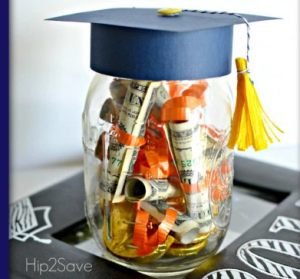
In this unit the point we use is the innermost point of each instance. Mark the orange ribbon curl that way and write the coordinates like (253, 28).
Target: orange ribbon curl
(147, 244)
(125, 138)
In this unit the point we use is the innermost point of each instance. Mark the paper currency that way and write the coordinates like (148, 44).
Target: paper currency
(198, 208)
(140, 189)
(143, 103)
(187, 152)
(185, 229)
(135, 111)
(161, 97)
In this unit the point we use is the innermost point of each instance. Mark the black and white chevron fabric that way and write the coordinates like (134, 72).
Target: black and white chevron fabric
(267, 266)
(229, 274)
(285, 223)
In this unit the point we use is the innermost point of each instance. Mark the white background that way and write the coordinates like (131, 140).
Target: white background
(50, 74)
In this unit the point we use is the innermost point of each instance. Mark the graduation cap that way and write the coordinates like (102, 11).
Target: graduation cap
(143, 44)
(177, 44)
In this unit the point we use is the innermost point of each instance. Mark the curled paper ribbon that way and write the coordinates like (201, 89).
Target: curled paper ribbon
(151, 173)
(125, 138)
(190, 188)
(196, 89)
(155, 164)
(218, 180)
(153, 158)
(182, 102)
(156, 172)
(140, 236)
(159, 251)
(166, 225)
(179, 108)
(176, 114)
(140, 228)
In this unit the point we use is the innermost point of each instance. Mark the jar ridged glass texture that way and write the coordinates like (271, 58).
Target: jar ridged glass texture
(158, 173)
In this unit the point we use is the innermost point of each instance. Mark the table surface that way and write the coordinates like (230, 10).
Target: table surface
(246, 210)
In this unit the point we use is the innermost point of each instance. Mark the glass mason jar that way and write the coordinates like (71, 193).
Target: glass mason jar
(158, 173)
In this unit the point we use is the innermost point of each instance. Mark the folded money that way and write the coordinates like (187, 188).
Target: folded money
(187, 151)
(162, 96)
(141, 189)
(130, 129)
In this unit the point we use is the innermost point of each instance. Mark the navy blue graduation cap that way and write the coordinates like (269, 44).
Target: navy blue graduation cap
(147, 44)
(143, 44)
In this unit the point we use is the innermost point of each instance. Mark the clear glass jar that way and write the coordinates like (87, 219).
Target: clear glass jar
(158, 173)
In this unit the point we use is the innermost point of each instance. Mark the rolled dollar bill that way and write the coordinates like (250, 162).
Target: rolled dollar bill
(198, 208)
(187, 152)
(185, 229)
(135, 111)
(139, 128)
(161, 97)
(141, 189)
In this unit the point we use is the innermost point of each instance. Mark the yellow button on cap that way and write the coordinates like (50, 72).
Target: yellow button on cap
(169, 12)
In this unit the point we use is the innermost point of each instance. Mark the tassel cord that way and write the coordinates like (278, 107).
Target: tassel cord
(251, 125)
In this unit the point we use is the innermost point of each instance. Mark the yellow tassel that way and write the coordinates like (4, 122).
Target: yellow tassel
(251, 125)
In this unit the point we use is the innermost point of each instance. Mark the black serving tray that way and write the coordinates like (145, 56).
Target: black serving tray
(271, 249)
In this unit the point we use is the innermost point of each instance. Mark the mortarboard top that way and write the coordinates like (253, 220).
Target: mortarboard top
(141, 44)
